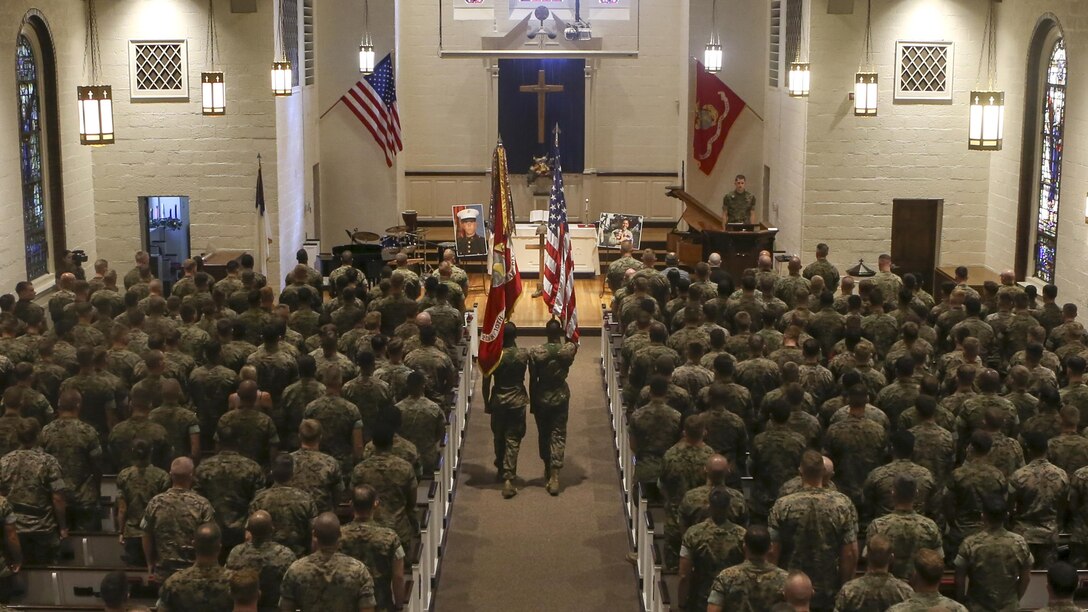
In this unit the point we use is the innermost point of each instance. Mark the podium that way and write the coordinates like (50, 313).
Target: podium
(739, 244)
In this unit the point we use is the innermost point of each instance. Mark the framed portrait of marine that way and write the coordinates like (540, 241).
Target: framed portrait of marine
(468, 230)
(614, 228)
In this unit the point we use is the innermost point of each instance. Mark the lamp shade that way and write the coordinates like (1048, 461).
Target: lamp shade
(281, 78)
(213, 93)
(865, 94)
(366, 56)
(800, 79)
(987, 126)
(95, 105)
(712, 57)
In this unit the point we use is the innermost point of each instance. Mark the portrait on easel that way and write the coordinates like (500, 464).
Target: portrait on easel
(614, 228)
(468, 230)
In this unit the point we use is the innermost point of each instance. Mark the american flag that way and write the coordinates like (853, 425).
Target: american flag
(374, 101)
(559, 262)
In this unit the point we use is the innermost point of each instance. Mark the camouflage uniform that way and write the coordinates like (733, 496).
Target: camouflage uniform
(1038, 493)
(1006, 455)
(305, 321)
(993, 559)
(99, 399)
(205, 588)
(775, 455)
(618, 268)
(293, 403)
(935, 450)
(1068, 451)
(1078, 515)
(727, 435)
(29, 478)
(751, 586)
(122, 363)
(642, 365)
(172, 518)
(818, 382)
(180, 422)
(908, 533)
(1077, 395)
(136, 486)
(549, 365)
(394, 309)
(193, 340)
(229, 481)
(401, 448)
(681, 338)
(255, 432)
(339, 419)
(738, 205)
(507, 405)
(654, 428)
(255, 320)
(438, 368)
(811, 527)
(76, 447)
(396, 376)
(896, 398)
(270, 560)
(692, 378)
(924, 602)
(131, 429)
(318, 474)
(448, 322)
(824, 268)
(695, 507)
(210, 389)
(970, 483)
(759, 375)
(874, 590)
(973, 414)
(292, 511)
(326, 581)
(681, 471)
(395, 481)
(878, 487)
(377, 547)
(423, 424)
(857, 446)
(889, 283)
(711, 547)
(787, 287)
(275, 371)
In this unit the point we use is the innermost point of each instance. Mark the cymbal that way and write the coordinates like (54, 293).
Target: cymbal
(397, 229)
(365, 236)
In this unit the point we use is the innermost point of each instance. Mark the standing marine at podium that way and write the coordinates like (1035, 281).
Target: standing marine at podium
(739, 206)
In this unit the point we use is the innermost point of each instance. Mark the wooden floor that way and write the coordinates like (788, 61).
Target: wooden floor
(531, 314)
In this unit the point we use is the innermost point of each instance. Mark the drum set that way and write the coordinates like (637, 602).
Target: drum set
(408, 238)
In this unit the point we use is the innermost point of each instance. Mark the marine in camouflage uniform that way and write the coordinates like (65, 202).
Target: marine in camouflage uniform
(857, 445)
(270, 560)
(136, 485)
(549, 366)
(506, 399)
(395, 481)
(29, 478)
(76, 447)
(653, 430)
(970, 483)
(436, 365)
(292, 511)
(180, 423)
(1078, 515)
(751, 586)
(908, 533)
(401, 448)
(395, 374)
(229, 481)
(340, 421)
(1038, 495)
(774, 457)
(875, 590)
(738, 206)
(878, 487)
(708, 548)
(210, 387)
(619, 267)
(327, 580)
(812, 526)
(276, 369)
(378, 548)
(682, 469)
(992, 561)
(200, 587)
(171, 519)
(422, 423)
(257, 436)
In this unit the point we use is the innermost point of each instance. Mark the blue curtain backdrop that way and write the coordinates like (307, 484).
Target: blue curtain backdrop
(518, 111)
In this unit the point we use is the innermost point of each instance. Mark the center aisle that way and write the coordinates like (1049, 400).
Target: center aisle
(535, 551)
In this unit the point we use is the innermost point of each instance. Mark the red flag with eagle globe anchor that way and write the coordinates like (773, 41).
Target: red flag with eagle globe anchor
(505, 276)
(716, 110)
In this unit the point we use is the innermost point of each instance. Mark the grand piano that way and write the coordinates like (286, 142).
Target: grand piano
(739, 245)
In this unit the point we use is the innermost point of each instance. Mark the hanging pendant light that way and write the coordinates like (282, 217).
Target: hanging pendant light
(213, 85)
(865, 81)
(366, 46)
(94, 102)
(987, 120)
(800, 79)
(712, 55)
(281, 69)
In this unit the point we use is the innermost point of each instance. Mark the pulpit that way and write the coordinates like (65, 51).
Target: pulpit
(739, 244)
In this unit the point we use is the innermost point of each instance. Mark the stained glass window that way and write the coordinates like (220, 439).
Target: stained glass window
(1050, 167)
(30, 155)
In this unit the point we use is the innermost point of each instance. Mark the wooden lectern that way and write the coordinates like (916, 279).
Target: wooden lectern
(739, 245)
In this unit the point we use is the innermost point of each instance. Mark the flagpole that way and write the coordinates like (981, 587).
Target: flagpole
(338, 101)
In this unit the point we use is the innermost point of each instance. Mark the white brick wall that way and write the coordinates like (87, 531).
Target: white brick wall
(856, 166)
(1016, 25)
(169, 148)
(65, 20)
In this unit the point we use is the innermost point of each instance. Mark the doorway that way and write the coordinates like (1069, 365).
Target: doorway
(164, 221)
(916, 238)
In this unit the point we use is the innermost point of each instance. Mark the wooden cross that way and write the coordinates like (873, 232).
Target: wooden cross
(541, 88)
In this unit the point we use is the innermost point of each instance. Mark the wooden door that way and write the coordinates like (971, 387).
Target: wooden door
(916, 238)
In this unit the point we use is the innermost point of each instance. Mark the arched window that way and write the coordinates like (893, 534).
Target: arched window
(35, 81)
(1050, 163)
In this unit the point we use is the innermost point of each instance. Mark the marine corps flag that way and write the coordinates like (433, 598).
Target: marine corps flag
(505, 277)
(716, 110)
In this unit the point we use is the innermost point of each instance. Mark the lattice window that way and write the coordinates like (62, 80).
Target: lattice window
(1050, 166)
(923, 71)
(308, 40)
(159, 69)
(776, 42)
(794, 23)
(35, 232)
(290, 38)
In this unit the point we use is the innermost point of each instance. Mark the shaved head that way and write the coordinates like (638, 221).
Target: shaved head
(798, 589)
(259, 525)
(327, 529)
